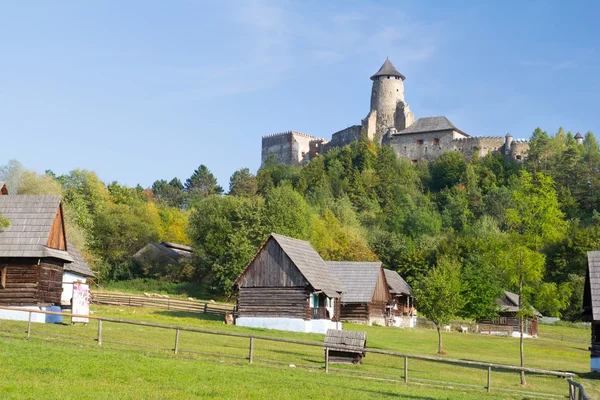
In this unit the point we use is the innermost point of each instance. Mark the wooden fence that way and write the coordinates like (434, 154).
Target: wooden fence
(119, 299)
(575, 390)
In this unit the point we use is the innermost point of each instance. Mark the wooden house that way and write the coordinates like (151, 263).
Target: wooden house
(288, 286)
(401, 309)
(591, 306)
(3, 189)
(33, 252)
(366, 292)
(76, 271)
(507, 322)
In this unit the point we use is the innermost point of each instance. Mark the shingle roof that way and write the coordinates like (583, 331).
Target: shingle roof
(178, 246)
(162, 252)
(31, 219)
(387, 69)
(510, 302)
(359, 279)
(346, 338)
(78, 266)
(430, 124)
(396, 283)
(310, 264)
(594, 282)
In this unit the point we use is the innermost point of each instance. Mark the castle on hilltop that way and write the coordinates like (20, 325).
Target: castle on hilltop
(390, 122)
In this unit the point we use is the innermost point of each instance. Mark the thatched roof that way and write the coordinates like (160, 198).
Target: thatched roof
(396, 284)
(31, 219)
(359, 279)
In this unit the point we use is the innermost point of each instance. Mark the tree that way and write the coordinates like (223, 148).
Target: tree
(438, 295)
(202, 183)
(447, 170)
(524, 269)
(171, 193)
(242, 183)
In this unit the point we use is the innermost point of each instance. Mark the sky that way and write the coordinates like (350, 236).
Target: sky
(144, 90)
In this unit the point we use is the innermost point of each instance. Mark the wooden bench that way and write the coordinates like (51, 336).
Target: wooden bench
(339, 338)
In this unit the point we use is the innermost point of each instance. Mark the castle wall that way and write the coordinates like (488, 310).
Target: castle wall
(519, 150)
(289, 147)
(421, 146)
(344, 137)
(481, 145)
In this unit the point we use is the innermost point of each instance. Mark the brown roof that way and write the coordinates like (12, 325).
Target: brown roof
(31, 218)
(387, 69)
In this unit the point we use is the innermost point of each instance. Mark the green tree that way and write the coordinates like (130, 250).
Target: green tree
(242, 183)
(171, 193)
(287, 213)
(202, 183)
(438, 295)
(447, 170)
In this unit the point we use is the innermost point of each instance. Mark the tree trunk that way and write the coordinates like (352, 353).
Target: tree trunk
(522, 326)
(440, 348)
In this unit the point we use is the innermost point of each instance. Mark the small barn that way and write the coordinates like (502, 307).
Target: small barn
(591, 306)
(507, 322)
(401, 308)
(76, 271)
(366, 292)
(33, 253)
(156, 259)
(288, 286)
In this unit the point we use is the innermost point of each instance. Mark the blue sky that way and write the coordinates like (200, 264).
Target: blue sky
(146, 90)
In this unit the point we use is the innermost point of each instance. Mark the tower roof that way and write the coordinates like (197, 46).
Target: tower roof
(387, 69)
(579, 136)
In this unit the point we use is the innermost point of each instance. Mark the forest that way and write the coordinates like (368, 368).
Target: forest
(477, 218)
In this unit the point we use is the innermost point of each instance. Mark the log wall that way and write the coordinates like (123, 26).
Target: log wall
(27, 284)
(284, 302)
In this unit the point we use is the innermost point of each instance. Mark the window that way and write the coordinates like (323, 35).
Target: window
(435, 141)
(419, 141)
(501, 320)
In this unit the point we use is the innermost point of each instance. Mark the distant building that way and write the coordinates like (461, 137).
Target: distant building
(391, 122)
(163, 253)
(401, 308)
(507, 322)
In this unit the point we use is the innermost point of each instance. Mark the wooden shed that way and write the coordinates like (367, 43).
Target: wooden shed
(33, 252)
(401, 309)
(337, 338)
(591, 306)
(366, 293)
(507, 322)
(288, 286)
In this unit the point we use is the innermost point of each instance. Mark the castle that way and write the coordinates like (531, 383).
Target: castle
(390, 122)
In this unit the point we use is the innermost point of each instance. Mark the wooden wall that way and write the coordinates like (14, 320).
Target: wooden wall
(29, 284)
(382, 291)
(284, 302)
(272, 268)
(354, 312)
(377, 310)
(57, 237)
(531, 326)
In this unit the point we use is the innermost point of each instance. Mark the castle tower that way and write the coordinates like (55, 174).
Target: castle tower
(388, 108)
(508, 139)
(579, 138)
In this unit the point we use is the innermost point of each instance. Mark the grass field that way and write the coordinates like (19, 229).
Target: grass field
(56, 363)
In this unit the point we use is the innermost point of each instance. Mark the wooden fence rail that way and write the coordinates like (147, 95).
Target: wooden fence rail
(576, 391)
(161, 303)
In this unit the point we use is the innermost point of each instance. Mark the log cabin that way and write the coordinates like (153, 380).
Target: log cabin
(76, 271)
(401, 309)
(33, 252)
(288, 286)
(366, 293)
(507, 322)
(591, 306)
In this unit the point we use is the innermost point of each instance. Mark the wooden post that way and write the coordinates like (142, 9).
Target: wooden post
(326, 360)
(489, 385)
(405, 369)
(205, 305)
(176, 340)
(251, 352)
(29, 325)
(99, 332)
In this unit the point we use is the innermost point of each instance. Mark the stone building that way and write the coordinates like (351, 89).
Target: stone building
(391, 122)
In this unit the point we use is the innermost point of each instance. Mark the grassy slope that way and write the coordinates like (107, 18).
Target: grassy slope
(542, 353)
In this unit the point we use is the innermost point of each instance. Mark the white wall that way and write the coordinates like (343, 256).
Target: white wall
(67, 293)
(23, 315)
(289, 324)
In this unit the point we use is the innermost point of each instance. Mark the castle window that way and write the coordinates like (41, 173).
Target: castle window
(419, 141)
(435, 141)
(518, 157)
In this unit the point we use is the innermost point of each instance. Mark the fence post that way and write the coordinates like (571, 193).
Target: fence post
(176, 340)
(405, 369)
(326, 360)
(29, 325)
(99, 332)
(251, 352)
(205, 305)
(169, 304)
(489, 385)
(129, 301)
